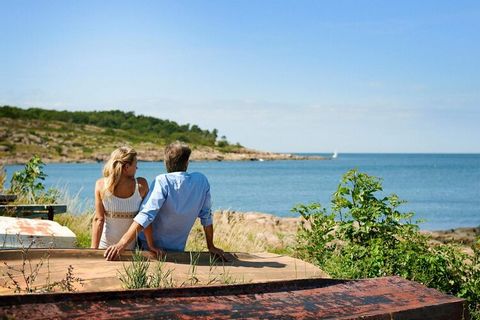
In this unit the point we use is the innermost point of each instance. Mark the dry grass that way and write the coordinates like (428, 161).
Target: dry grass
(247, 232)
(234, 232)
(3, 177)
(80, 224)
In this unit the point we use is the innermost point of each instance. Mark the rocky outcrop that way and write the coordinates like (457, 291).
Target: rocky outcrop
(465, 236)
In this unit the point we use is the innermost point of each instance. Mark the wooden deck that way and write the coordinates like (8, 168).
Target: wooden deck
(100, 275)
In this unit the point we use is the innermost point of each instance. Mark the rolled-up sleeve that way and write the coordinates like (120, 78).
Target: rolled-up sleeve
(152, 203)
(205, 214)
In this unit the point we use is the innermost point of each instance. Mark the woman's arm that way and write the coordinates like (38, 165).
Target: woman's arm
(99, 217)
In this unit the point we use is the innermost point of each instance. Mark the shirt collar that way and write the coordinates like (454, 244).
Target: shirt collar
(178, 173)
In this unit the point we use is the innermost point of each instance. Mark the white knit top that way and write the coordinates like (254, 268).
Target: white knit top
(119, 214)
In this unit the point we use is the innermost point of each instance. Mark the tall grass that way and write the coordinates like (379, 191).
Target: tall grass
(3, 177)
(234, 233)
(74, 203)
(80, 224)
(78, 219)
(135, 274)
(138, 273)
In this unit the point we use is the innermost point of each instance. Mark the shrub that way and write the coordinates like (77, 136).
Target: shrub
(27, 183)
(366, 236)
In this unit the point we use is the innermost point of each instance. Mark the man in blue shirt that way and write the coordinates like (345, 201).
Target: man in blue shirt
(171, 207)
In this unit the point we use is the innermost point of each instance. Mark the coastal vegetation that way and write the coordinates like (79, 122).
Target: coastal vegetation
(136, 126)
(63, 136)
(365, 236)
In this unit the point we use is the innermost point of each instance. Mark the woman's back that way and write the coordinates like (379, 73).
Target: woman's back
(119, 214)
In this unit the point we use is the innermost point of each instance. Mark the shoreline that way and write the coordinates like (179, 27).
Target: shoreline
(202, 154)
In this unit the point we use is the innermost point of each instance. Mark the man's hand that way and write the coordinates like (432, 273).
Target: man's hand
(218, 253)
(156, 253)
(113, 252)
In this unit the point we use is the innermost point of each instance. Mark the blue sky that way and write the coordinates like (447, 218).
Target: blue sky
(299, 76)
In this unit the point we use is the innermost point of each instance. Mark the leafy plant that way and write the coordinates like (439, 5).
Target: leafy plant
(366, 236)
(27, 183)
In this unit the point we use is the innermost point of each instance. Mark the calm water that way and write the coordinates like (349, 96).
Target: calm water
(443, 189)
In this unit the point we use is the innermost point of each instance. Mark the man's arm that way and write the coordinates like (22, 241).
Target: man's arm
(206, 220)
(114, 251)
(157, 252)
(211, 247)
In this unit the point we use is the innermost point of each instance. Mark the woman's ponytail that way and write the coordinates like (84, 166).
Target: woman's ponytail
(112, 171)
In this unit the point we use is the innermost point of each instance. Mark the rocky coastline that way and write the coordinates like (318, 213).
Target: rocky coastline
(156, 154)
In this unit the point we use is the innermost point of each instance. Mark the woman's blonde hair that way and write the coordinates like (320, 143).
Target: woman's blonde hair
(112, 171)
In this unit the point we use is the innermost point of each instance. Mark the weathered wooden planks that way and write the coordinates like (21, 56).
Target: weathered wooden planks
(99, 274)
(381, 298)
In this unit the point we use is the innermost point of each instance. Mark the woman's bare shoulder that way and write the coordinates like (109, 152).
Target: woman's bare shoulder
(143, 185)
(99, 183)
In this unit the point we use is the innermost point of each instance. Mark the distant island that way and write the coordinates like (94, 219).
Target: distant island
(89, 136)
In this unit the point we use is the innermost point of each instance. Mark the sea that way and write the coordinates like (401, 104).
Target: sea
(442, 189)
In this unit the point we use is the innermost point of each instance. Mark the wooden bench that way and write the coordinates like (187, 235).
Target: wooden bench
(32, 210)
(7, 198)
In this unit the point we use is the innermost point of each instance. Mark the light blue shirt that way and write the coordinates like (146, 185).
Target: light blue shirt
(172, 205)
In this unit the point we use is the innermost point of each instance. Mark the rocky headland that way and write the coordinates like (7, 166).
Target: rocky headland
(58, 142)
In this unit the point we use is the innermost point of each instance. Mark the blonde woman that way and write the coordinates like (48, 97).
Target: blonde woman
(118, 196)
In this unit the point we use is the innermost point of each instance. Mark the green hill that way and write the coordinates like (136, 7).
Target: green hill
(86, 136)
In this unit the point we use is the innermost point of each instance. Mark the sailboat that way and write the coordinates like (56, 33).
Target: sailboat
(334, 155)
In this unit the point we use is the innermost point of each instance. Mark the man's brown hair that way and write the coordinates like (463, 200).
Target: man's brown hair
(176, 156)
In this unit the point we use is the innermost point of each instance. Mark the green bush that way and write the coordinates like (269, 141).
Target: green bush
(28, 185)
(366, 236)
